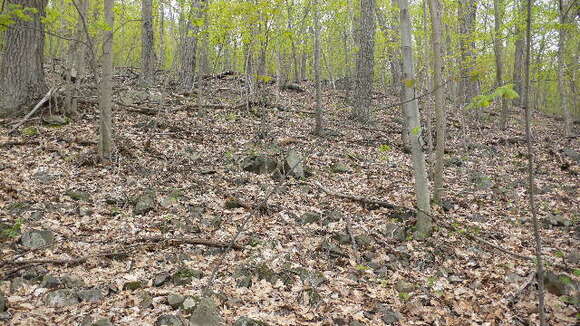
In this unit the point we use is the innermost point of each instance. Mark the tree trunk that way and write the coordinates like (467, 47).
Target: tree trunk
(147, 52)
(469, 84)
(105, 130)
(161, 63)
(414, 127)
(188, 50)
(362, 110)
(562, 68)
(435, 10)
(318, 124)
(498, 10)
(535, 223)
(518, 56)
(21, 68)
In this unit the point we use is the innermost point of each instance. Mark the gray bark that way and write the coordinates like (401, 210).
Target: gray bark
(21, 67)
(147, 52)
(318, 124)
(424, 222)
(105, 130)
(161, 63)
(518, 56)
(562, 67)
(469, 86)
(498, 10)
(362, 110)
(187, 49)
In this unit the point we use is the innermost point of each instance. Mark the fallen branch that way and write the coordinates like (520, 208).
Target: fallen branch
(352, 238)
(18, 143)
(192, 241)
(522, 287)
(38, 105)
(372, 202)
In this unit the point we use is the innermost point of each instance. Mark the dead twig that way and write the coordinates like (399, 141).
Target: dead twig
(38, 105)
(367, 201)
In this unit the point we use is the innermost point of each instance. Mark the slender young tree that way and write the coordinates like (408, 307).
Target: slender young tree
(318, 124)
(519, 52)
(21, 67)
(365, 62)
(435, 10)
(535, 223)
(188, 46)
(424, 223)
(147, 46)
(106, 128)
(161, 63)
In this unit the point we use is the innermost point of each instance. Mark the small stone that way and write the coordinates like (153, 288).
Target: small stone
(103, 322)
(363, 240)
(17, 283)
(185, 276)
(35, 239)
(5, 315)
(232, 203)
(388, 315)
(61, 298)
(293, 164)
(455, 279)
(175, 300)
(132, 286)
(78, 195)
(205, 314)
(395, 231)
(189, 304)
(55, 120)
(558, 220)
(85, 211)
(403, 286)
(144, 203)
(50, 282)
(160, 279)
(91, 295)
(245, 321)
(169, 320)
(332, 249)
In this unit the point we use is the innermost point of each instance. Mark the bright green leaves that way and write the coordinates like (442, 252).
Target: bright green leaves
(416, 131)
(15, 12)
(409, 82)
(483, 101)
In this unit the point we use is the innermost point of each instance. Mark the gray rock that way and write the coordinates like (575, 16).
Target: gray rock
(403, 286)
(388, 315)
(85, 211)
(146, 301)
(160, 279)
(572, 154)
(72, 282)
(91, 295)
(259, 164)
(55, 120)
(5, 316)
(342, 238)
(395, 231)
(332, 249)
(312, 278)
(205, 314)
(293, 164)
(61, 298)
(189, 304)
(558, 220)
(175, 300)
(35, 273)
(132, 286)
(169, 320)
(363, 240)
(144, 203)
(245, 321)
(2, 302)
(103, 322)
(35, 239)
(78, 195)
(50, 282)
(43, 176)
(232, 203)
(339, 167)
(573, 258)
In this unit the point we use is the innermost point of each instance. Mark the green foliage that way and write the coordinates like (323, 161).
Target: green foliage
(384, 148)
(30, 131)
(404, 296)
(482, 101)
(12, 231)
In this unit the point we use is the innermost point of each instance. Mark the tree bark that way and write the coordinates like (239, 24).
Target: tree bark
(21, 69)
(435, 10)
(562, 68)
(518, 55)
(318, 124)
(105, 130)
(161, 63)
(362, 110)
(147, 46)
(469, 83)
(498, 10)
(424, 223)
(188, 48)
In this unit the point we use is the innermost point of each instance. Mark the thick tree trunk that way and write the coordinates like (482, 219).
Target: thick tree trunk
(518, 56)
(435, 10)
(147, 52)
(362, 110)
(562, 68)
(187, 49)
(21, 68)
(498, 10)
(414, 127)
(106, 129)
(469, 85)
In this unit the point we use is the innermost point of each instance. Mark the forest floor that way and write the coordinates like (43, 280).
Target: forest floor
(130, 240)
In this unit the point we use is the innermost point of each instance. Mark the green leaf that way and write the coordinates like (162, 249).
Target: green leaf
(409, 83)
(416, 131)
